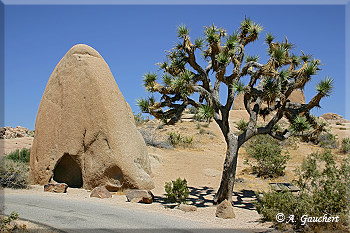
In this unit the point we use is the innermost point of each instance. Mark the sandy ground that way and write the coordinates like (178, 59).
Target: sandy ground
(201, 165)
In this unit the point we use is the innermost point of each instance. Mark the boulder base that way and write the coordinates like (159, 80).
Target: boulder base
(139, 196)
(56, 188)
(85, 135)
(100, 192)
(225, 210)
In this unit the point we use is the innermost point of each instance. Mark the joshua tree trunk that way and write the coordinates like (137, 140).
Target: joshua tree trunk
(229, 170)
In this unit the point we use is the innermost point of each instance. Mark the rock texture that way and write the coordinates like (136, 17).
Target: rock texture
(85, 134)
(297, 96)
(139, 196)
(225, 210)
(100, 192)
(56, 188)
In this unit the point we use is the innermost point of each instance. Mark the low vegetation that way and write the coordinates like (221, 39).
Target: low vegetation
(328, 140)
(177, 191)
(324, 191)
(15, 169)
(242, 125)
(266, 156)
(204, 113)
(151, 139)
(345, 145)
(176, 139)
(7, 224)
(22, 155)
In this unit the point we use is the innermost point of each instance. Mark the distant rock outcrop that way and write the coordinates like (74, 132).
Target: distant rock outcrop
(334, 118)
(297, 96)
(85, 135)
(18, 132)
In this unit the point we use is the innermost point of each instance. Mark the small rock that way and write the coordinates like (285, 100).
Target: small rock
(100, 192)
(187, 208)
(139, 196)
(225, 210)
(56, 188)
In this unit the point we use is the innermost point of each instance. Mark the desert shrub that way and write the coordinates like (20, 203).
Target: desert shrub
(338, 123)
(14, 174)
(324, 191)
(300, 125)
(151, 139)
(204, 113)
(5, 222)
(342, 128)
(267, 159)
(176, 139)
(328, 140)
(345, 145)
(188, 140)
(140, 119)
(242, 125)
(177, 191)
(202, 131)
(22, 155)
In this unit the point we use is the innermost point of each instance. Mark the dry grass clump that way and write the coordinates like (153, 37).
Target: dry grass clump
(14, 170)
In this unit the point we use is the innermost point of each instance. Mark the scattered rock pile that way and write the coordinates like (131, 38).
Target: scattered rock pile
(18, 132)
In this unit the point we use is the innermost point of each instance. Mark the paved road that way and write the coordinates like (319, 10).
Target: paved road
(80, 216)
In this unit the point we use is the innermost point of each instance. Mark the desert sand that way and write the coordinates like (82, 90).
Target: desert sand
(201, 165)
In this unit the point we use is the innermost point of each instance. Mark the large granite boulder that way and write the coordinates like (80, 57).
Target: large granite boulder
(85, 134)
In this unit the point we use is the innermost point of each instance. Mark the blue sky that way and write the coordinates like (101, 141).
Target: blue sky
(133, 38)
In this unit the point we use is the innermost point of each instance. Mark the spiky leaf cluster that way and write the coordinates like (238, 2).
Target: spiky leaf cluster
(325, 87)
(238, 87)
(249, 58)
(269, 38)
(148, 81)
(212, 34)
(271, 90)
(205, 112)
(182, 31)
(300, 124)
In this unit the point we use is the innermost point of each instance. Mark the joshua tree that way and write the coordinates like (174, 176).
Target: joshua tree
(226, 63)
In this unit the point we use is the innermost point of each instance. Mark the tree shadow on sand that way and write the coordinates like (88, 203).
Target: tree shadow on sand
(204, 197)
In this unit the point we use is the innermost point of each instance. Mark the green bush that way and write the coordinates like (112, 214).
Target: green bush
(267, 159)
(345, 145)
(22, 155)
(177, 191)
(242, 125)
(174, 138)
(324, 191)
(204, 113)
(177, 139)
(188, 140)
(14, 174)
